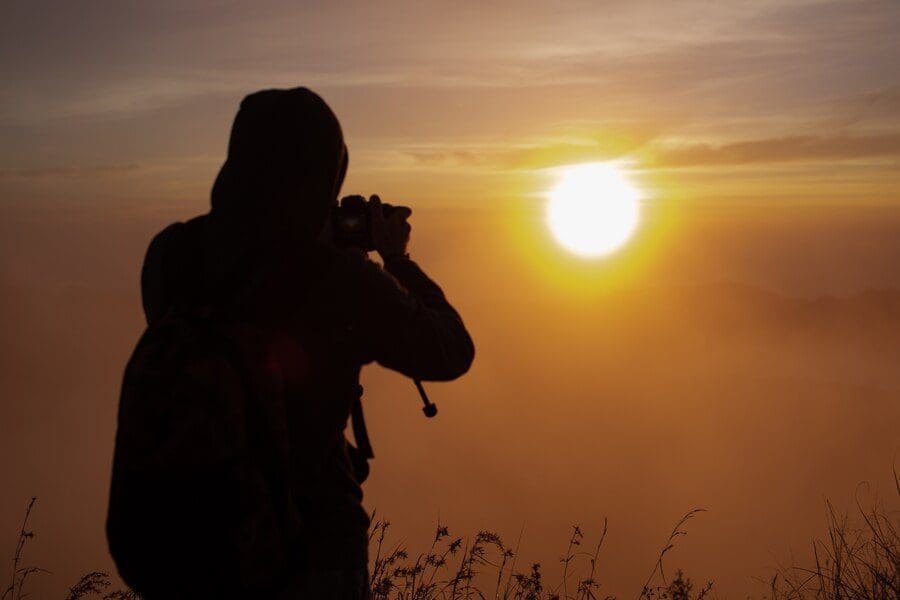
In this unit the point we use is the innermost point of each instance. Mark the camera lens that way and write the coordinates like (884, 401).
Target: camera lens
(352, 223)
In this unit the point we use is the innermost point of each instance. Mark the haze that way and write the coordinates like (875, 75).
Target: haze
(739, 353)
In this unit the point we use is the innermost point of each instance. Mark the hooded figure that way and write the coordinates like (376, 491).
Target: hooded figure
(264, 251)
(286, 163)
(285, 167)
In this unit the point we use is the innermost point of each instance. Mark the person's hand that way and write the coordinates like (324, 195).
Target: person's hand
(390, 235)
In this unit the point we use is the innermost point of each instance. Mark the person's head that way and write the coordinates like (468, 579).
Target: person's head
(286, 163)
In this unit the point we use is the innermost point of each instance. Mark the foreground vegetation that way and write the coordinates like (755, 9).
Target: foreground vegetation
(486, 568)
(858, 558)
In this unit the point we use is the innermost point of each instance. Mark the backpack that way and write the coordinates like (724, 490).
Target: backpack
(200, 501)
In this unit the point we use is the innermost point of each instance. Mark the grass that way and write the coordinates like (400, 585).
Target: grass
(94, 583)
(857, 559)
(485, 568)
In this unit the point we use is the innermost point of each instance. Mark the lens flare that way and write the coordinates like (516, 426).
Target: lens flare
(593, 210)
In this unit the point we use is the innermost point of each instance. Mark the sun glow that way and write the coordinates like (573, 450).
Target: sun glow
(593, 210)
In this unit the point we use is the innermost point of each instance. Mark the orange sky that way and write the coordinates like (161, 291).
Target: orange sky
(738, 354)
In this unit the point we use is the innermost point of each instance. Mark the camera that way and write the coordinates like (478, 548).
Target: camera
(352, 224)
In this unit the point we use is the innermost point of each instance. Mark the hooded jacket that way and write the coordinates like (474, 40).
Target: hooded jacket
(257, 253)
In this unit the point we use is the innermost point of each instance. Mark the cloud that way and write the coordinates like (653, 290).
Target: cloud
(96, 58)
(797, 148)
(485, 86)
(67, 172)
(535, 156)
(781, 149)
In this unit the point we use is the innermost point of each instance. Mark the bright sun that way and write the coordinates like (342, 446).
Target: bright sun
(594, 209)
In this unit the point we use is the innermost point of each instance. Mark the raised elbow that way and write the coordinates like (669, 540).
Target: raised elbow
(467, 356)
(457, 361)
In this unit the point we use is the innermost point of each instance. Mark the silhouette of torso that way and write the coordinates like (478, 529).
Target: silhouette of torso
(330, 311)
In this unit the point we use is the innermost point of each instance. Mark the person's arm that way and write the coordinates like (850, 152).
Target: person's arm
(411, 328)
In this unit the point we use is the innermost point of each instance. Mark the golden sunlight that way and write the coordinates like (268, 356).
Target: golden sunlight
(593, 209)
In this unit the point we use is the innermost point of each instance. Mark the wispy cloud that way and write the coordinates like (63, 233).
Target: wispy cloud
(530, 155)
(67, 172)
(480, 86)
(798, 148)
(784, 149)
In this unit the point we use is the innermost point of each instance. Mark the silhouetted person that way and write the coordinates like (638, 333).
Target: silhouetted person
(266, 255)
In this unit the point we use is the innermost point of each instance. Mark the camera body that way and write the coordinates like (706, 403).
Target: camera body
(352, 224)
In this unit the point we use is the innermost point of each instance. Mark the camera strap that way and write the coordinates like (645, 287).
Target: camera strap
(358, 422)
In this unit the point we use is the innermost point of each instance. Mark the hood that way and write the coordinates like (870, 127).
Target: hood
(285, 166)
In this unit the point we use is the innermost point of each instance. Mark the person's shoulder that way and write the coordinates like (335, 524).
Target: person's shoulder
(161, 246)
(166, 237)
(178, 233)
(169, 246)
